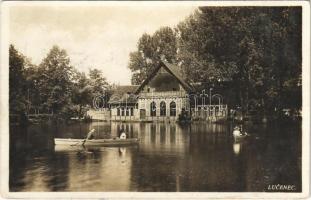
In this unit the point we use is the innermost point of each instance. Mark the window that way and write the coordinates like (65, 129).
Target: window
(118, 111)
(153, 109)
(122, 111)
(172, 108)
(217, 112)
(162, 109)
(127, 112)
(132, 111)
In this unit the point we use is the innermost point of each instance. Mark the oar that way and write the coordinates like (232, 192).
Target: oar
(87, 135)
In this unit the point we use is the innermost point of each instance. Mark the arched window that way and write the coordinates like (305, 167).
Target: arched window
(162, 108)
(153, 109)
(132, 111)
(172, 108)
(127, 111)
(118, 111)
(122, 111)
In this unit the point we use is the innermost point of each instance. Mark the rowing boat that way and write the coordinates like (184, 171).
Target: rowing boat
(96, 142)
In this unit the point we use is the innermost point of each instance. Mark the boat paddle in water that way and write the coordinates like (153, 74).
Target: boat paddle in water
(88, 136)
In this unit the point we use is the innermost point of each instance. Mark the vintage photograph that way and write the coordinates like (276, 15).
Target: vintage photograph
(142, 97)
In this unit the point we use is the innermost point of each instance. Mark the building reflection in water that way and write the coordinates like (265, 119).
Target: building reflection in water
(163, 138)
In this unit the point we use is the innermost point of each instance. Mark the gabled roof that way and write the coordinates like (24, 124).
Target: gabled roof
(123, 94)
(170, 68)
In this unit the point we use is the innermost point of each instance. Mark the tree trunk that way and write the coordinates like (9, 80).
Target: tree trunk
(80, 111)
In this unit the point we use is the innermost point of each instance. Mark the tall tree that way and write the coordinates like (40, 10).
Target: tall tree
(81, 91)
(100, 87)
(258, 49)
(17, 82)
(150, 50)
(54, 80)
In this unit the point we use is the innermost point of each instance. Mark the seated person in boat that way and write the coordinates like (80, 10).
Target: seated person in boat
(236, 131)
(122, 135)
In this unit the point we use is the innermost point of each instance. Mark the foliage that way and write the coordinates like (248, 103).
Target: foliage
(246, 45)
(98, 82)
(17, 86)
(81, 92)
(256, 49)
(54, 80)
(150, 50)
(53, 87)
(101, 90)
(184, 116)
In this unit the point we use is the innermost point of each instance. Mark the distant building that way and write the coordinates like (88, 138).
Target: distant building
(123, 103)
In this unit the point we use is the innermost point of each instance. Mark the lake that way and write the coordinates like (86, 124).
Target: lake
(170, 157)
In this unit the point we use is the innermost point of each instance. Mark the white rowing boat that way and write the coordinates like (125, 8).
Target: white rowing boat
(96, 142)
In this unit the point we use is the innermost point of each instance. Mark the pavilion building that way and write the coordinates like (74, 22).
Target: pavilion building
(163, 96)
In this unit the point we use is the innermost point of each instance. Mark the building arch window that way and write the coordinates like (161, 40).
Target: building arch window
(162, 108)
(122, 111)
(127, 111)
(153, 109)
(132, 111)
(118, 111)
(172, 108)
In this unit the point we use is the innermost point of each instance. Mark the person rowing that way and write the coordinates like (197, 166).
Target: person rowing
(89, 136)
(236, 132)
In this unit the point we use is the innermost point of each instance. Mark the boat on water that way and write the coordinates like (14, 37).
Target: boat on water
(96, 142)
(238, 134)
(89, 149)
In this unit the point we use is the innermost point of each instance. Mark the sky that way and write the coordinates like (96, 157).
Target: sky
(94, 36)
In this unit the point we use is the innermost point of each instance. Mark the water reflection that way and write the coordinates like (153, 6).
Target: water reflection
(237, 148)
(162, 138)
(170, 157)
(108, 170)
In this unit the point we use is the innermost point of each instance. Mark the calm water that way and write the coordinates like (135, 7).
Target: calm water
(170, 157)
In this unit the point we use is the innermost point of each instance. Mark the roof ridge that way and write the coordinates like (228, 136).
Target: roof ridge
(171, 69)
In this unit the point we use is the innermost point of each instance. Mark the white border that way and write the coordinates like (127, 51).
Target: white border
(4, 139)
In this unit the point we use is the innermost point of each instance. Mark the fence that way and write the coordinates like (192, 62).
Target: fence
(209, 112)
(100, 114)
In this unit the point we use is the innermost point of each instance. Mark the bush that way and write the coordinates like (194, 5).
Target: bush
(184, 116)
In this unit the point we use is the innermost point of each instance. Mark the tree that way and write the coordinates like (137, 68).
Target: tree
(201, 41)
(257, 49)
(150, 50)
(17, 82)
(81, 91)
(54, 86)
(54, 80)
(100, 87)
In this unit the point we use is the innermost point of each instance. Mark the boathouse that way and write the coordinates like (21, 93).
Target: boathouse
(163, 96)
